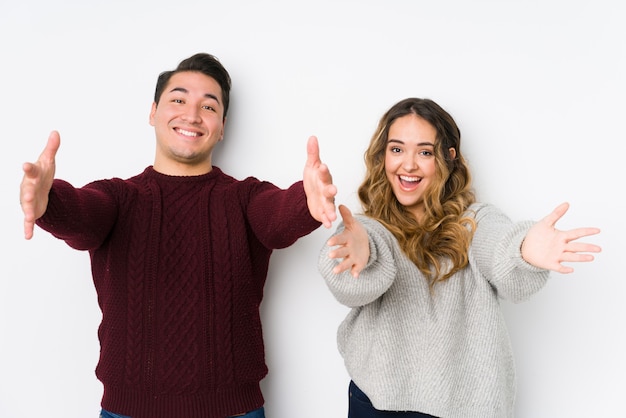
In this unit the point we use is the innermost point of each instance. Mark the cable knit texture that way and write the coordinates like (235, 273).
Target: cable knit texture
(446, 353)
(179, 265)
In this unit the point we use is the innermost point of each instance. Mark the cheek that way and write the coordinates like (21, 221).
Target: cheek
(391, 164)
(390, 176)
(156, 118)
(389, 170)
(430, 168)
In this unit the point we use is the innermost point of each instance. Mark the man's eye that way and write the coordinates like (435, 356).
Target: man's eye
(177, 100)
(207, 107)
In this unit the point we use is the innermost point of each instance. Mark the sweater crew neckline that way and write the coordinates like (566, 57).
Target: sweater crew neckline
(152, 173)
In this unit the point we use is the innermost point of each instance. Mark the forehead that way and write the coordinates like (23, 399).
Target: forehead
(194, 83)
(412, 128)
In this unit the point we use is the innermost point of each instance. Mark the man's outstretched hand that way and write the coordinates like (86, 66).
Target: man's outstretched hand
(318, 186)
(36, 184)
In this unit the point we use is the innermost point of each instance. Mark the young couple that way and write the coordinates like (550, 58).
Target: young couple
(180, 255)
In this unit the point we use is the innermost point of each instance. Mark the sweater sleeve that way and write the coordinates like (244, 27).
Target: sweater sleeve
(279, 217)
(497, 249)
(375, 279)
(82, 217)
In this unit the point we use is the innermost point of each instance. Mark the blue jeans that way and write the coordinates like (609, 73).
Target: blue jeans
(257, 413)
(360, 406)
(107, 414)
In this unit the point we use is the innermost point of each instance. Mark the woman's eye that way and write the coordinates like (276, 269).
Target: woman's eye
(394, 149)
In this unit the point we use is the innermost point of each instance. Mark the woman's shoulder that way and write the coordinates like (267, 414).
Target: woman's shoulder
(371, 224)
(377, 231)
(481, 210)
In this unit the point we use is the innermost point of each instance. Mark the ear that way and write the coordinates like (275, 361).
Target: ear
(152, 112)
(223, 126)
(452, 152)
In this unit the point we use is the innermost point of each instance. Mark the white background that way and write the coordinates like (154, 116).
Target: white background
(537, 88)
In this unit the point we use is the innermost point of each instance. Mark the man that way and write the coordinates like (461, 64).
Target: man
(180, 255)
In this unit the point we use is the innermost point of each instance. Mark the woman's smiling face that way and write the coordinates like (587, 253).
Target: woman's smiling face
(410, 162)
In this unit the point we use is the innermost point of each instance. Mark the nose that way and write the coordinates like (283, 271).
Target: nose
(191, 114)
(409, 163)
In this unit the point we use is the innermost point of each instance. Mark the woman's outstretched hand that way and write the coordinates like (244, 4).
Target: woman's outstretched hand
(352, 245)
(547, 247)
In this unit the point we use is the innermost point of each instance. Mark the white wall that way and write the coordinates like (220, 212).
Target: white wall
(536, 86)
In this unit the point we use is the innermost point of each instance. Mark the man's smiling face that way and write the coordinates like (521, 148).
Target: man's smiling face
(188, 122)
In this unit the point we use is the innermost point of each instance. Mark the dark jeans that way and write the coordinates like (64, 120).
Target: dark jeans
(257, 413)
(360, 406)
(107, 414)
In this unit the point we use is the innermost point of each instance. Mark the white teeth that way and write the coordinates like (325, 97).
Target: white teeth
(188, 133)
(407, 178)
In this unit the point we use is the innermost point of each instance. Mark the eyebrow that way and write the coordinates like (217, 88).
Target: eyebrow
(184, 90)
(420, 144)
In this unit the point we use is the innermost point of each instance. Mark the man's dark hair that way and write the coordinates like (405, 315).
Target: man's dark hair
(204, 63)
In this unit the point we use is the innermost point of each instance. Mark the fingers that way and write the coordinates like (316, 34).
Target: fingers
(563, 269)
(329, 192)
(572, 257)
(37, 182)
(27, 197)
(30, 170)
(313, 152)
(339, 239)
(29, 228)
(340, 252)
(350, 245)
(577, 233)
(328, 215)
(46, 158)
(319, 187)
(346, 265)
(324, 175)
(331, 216)
(349, 223)
(326, 220)
(582, 247)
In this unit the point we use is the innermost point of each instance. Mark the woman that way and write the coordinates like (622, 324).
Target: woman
(423, 270)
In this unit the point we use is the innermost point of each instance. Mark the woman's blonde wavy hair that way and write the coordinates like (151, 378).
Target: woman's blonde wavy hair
(438, 244)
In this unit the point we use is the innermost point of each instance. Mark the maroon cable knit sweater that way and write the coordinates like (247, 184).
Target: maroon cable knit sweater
(179, 265)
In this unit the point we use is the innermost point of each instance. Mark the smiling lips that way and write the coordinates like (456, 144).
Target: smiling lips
(409, 183)
(187, 133)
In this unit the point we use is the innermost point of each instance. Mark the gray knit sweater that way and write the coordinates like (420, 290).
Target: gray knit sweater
(445, 353)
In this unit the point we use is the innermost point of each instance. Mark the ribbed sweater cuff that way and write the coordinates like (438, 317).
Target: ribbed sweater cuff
(218, 404)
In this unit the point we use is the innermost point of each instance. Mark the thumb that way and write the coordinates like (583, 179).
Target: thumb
(54, 142)
(313, 151)
(556, 214)
(346, 215)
